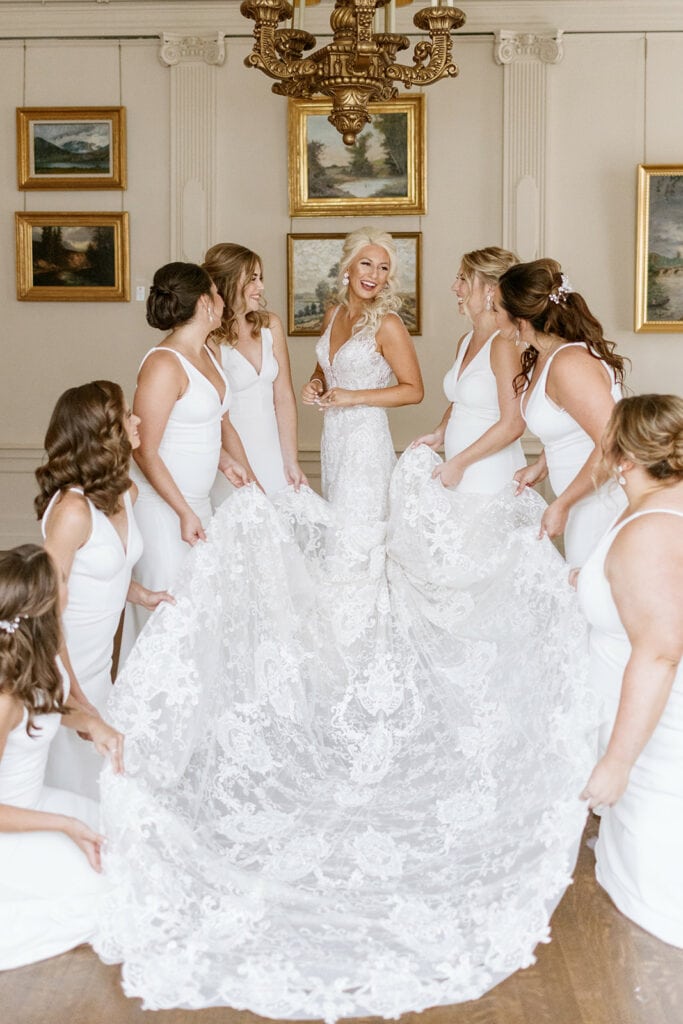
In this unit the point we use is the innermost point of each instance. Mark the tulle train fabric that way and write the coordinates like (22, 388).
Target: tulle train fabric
(348, 792)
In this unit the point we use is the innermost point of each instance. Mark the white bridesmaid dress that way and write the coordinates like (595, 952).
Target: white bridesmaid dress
(639, 854)
(474, 394)
(49, 894)
(252, 414)
(567, 446)
(190, 448)
(98, 585)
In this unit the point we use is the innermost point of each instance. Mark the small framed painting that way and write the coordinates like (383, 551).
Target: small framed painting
(71, 147)
(72, 257)
(312, 268)
(659, 255)
(382, 174)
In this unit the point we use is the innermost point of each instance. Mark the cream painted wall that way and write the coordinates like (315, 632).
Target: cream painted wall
(612, 104)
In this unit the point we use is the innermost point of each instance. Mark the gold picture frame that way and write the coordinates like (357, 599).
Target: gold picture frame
(71, 147)
(659, 250)
(383, 174)
(312, 261)
(72, 257)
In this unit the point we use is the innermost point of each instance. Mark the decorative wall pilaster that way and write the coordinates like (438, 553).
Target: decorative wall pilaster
(193, 62)
(525, 58)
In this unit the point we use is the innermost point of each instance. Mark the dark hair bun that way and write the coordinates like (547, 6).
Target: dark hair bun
(174, 294)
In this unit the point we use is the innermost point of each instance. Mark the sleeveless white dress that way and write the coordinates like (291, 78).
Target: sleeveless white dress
(97, 588)
(252, 414)
(639, 852)
(474, 395)
(49, 894)
(190, 448)
(567, 446)
(362, 797)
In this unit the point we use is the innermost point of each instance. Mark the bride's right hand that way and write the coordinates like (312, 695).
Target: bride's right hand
(432, 441)
(311, 392)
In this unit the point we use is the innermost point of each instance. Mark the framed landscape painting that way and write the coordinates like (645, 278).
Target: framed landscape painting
(659, 257)
(72, 257)
(71, 147)
(382, 174)
(312, 269)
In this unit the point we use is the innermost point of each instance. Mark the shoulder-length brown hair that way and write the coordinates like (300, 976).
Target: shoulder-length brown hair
(230, 266)
(87, 446)
(30, 634)
(536, 292)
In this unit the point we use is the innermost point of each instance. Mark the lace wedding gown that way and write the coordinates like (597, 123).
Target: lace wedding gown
(354, 745)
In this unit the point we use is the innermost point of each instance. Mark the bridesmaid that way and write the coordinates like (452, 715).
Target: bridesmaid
(85, 507)
(570, 379)
(182, 399)
(631, 590)
(50, 845)
(255, 360)
(482, 425)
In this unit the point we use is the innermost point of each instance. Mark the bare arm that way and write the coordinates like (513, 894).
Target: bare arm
(316, 384)
(644, 568)
(505, 363)
(285, 407)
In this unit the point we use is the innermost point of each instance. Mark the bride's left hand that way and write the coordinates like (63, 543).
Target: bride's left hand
(337, 398)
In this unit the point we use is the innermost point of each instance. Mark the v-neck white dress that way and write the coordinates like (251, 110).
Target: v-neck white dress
(97, 586)
(252, 414)
(474, 394)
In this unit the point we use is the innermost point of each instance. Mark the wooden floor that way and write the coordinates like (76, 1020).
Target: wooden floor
(599, 969)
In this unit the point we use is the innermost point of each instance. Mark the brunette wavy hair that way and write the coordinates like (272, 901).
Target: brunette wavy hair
(87, 446)
(647, 430)
(535, 292)
(29, 606)
(387, 300)
(230, 266)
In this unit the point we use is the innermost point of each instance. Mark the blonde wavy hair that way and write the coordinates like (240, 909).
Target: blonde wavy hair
(229, 265)
(29, 603)
(647, 430)
(387, 301)
(489, 264)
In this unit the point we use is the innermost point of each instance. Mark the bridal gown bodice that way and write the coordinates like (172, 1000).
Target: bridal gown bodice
(474, 394)
(639, 854)
(345, 758)
(567, 447)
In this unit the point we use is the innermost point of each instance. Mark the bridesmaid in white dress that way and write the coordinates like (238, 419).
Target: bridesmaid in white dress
(182, 399)
(86, 510)
(631, 590)
(255, 360)
(570, 379)
(50, 846)
(482, 425)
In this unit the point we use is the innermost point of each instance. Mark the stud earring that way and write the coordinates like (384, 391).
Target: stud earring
(345, 278)
(621, 479)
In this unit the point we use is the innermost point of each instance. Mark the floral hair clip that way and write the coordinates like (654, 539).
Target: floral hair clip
(10, 625)
(560, 293)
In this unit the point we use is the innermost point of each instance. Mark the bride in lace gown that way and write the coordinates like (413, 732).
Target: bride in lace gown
(344, 794)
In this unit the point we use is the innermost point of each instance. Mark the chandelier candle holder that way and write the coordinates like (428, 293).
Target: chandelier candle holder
(359, 65)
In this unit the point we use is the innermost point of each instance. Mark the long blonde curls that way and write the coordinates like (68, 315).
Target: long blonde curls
(229, 265)
(87, 446)
(387, 301)
(30, 634)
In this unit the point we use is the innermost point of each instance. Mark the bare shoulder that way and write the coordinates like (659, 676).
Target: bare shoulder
(504, 351)
(392, 329)
(70, 509)
(163, 368)
(329, 313)
(11, 713)
(275, 322)
(658, 533)
(573, 359)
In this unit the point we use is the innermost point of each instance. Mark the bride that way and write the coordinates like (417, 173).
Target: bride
(355, 743)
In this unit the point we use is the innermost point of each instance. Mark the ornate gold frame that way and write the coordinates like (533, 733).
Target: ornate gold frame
(643, 254)
(312, 330)
(28, 179)
(413, 202)
(28, 291)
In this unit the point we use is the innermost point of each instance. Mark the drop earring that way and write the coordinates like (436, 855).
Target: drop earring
(487, 304)
(518, 337)
(345, 278)
(621, 479)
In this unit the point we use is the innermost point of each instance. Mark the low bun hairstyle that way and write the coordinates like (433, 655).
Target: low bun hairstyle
(647, 430)
(536, 292)
(175, 292)
(29, 599)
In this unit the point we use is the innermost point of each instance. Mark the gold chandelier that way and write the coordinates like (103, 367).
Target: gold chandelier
(359, 65)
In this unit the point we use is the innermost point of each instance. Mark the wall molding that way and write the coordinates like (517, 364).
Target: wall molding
(114, 18)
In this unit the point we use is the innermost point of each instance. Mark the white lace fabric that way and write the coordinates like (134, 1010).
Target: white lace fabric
(354, 750)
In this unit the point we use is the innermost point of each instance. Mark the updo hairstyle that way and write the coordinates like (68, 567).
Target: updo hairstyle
(489, 264)
(30, 634)
(539, 293)
(387, 300)
(175, 292)
(87, 446)
(647, 430)
(230, 266)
